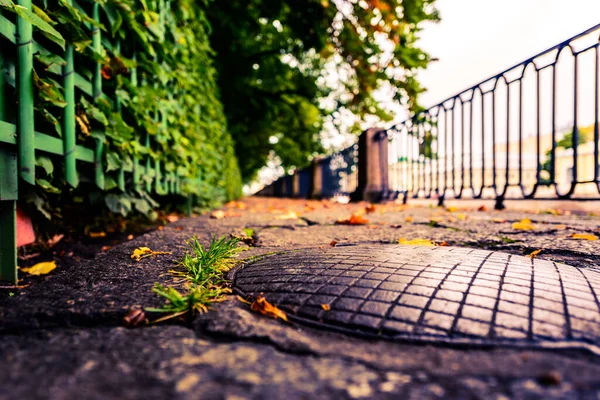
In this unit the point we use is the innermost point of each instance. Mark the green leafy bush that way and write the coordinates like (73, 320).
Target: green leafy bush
(159, 104)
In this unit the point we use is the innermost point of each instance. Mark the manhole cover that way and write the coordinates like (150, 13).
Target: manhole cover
(431, 293)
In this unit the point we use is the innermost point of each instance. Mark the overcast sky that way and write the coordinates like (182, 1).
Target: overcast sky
(479, 38)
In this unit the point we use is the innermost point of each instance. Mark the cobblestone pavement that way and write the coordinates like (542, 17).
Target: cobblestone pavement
(62, 337)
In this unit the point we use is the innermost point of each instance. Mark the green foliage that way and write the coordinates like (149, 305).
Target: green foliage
(273, 57)
(204, 265)
(159, 105)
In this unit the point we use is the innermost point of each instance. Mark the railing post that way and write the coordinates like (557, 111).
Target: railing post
(373, 175)
(296, 184)
(317, 179)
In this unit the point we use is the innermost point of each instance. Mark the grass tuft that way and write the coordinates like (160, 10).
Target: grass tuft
(204, 269)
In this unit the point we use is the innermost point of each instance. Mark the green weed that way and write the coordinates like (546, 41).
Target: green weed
(203, 268)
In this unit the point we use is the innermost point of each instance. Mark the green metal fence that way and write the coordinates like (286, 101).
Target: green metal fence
(20, 142)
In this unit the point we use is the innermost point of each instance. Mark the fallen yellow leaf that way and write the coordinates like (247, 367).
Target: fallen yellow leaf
(524, 225)
(143, 252)
(534, 253)
(584, 236)
(417, 242)
(451, 209)
(219, 214)
(408, 219)
(289, 215)
(42, 268)
(262, 306)
(462, 217)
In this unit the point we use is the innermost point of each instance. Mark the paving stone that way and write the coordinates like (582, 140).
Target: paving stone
(421, 295)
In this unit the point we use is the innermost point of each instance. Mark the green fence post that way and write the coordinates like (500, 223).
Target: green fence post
(136, 161)
(8, 199)
(121, 173)
(97, 92)
(25, 137)
(69, 117)
(148, 166)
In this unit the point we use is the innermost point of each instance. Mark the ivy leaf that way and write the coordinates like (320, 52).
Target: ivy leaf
(46, 164)
(47, 186)
(113, 162)
(42, 25)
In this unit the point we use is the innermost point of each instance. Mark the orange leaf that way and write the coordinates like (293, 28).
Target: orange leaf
(262, 306)
(584, 236)
(534, 253)
(370, 208)
(355, 219)
(333, 243)
(96, 235)
(326, 307)
(482, 208)
(409, 219)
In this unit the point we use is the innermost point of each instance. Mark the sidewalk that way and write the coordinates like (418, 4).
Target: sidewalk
(63, 337)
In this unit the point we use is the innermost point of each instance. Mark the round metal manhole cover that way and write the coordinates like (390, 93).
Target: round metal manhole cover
(432, 294)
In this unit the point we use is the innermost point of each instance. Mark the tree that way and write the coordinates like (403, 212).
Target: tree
(274, 56)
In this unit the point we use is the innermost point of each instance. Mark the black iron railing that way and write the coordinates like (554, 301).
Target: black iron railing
(528, 132)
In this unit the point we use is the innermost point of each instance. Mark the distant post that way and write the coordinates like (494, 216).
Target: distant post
(373, 177)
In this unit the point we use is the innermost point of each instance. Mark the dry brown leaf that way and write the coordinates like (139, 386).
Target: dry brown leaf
(523, 225)
(370, 208)
(42, 268)
(55, 239)
(172, 218)
(326, 307)
(355, 219)
(417, 242)
(333, 243)
(134, 318)
(584, 236)
(482, 208)
(219, 214)
(534, 253)
(262, 306)
(451, 219)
